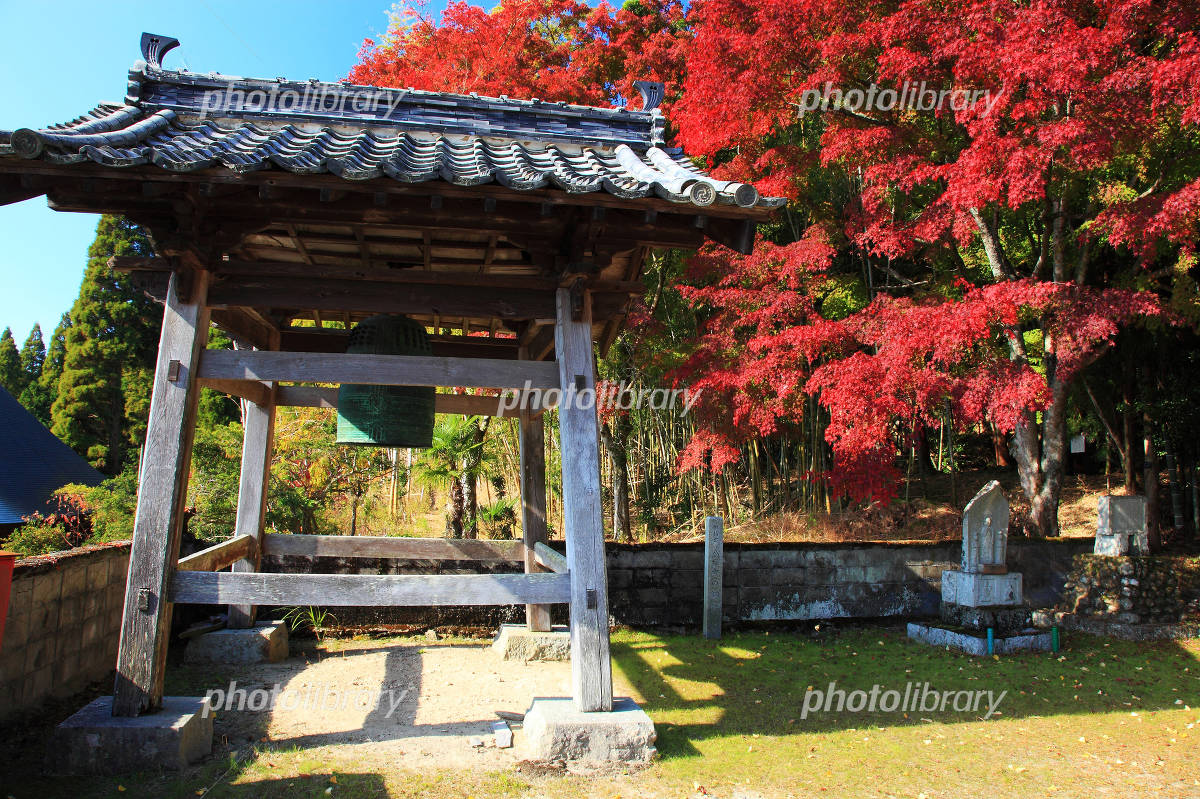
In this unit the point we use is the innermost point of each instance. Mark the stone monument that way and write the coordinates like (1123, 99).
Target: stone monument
(1121, 527)
(984, 580)
(982, 594)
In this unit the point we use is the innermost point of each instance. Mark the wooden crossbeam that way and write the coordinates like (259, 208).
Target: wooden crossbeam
(255, 391)
(378, 590)
(385, 370)
(219, 555)
(467, 404)
(549, 558)
(367, 546)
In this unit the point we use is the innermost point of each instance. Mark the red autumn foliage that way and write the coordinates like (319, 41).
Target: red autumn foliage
(1076, 168)
(560, 50)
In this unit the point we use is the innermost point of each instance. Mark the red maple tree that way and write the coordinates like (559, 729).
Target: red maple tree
(560, 50)
(1074, 174)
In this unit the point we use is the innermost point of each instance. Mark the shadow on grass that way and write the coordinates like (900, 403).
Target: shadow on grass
(756, 683)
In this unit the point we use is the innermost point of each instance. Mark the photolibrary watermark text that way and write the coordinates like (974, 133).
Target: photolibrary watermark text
(307, 698)
(918, 697)
(604, 397)
(911, 96)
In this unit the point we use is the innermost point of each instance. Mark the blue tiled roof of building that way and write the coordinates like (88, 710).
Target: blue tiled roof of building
(33, 463)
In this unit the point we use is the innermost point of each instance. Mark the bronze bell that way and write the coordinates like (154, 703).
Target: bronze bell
(386, 416)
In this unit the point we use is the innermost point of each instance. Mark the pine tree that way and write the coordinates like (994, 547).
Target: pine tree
(38, 396)
(108, 349)
(11, 376)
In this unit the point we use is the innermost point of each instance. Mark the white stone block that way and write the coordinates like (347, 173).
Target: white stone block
(982, 590)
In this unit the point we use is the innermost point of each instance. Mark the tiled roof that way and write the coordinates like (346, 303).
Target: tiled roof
(33, 463)
(182, 121)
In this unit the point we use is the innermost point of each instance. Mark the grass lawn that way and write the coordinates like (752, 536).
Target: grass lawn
(1102, 718)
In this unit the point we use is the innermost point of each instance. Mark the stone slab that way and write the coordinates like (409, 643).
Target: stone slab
(94, 742)
(1004, 620)
(554, 730)
(265, 642)
(1032, 641)
(517, 642)
(982, 590)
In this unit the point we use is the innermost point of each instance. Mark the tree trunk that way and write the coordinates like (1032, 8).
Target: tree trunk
(470, 481)
(616, 444)
(1039, 456)
(1128, 423)
(1000, 452)
(454, 510)
(1177, 511)
(1150, 478)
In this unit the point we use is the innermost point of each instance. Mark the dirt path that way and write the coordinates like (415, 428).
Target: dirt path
(399, 704)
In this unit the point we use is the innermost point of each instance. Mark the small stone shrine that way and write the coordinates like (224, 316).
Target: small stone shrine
(982, 595)
(1121, 527)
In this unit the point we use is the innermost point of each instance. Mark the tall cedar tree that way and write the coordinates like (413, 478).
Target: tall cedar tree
(33, 363)
(109, 351)
(993, 238)
(38, 396)
(33, 354)
(12, 378)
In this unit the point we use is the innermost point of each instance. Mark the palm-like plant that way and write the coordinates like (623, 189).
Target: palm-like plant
(447, 459)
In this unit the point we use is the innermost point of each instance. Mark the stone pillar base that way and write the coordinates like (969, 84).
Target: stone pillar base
(517, 642)
(555, 730)
(95, 742)
(265, 642)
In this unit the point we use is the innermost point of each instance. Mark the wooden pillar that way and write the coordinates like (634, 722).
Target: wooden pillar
(533, 502)
(591, 669)
(162, 493)
(258, 439)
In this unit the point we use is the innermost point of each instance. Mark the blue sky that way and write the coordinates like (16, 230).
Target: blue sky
(57, 60)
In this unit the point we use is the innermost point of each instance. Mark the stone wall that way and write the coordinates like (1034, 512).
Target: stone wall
(662, 584)
(64, 621)
(1135, 589)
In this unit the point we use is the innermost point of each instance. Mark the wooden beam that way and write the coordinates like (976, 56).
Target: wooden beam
(532, 432)
(370, 590)
(384, 370)
(579, 438)
(377, 296)
(162, 494)
(311, 339)
(466, 404)
(220, 555)
(367, 546)
(550, 558)
(253, 391)
(258, 443)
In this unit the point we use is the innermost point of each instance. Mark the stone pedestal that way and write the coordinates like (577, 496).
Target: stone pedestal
(976, 644)
(555, 730)
(518, 642)
(1003, 620)
(1121, 527)
(265, 642)
(94, 742)
(981, 590)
